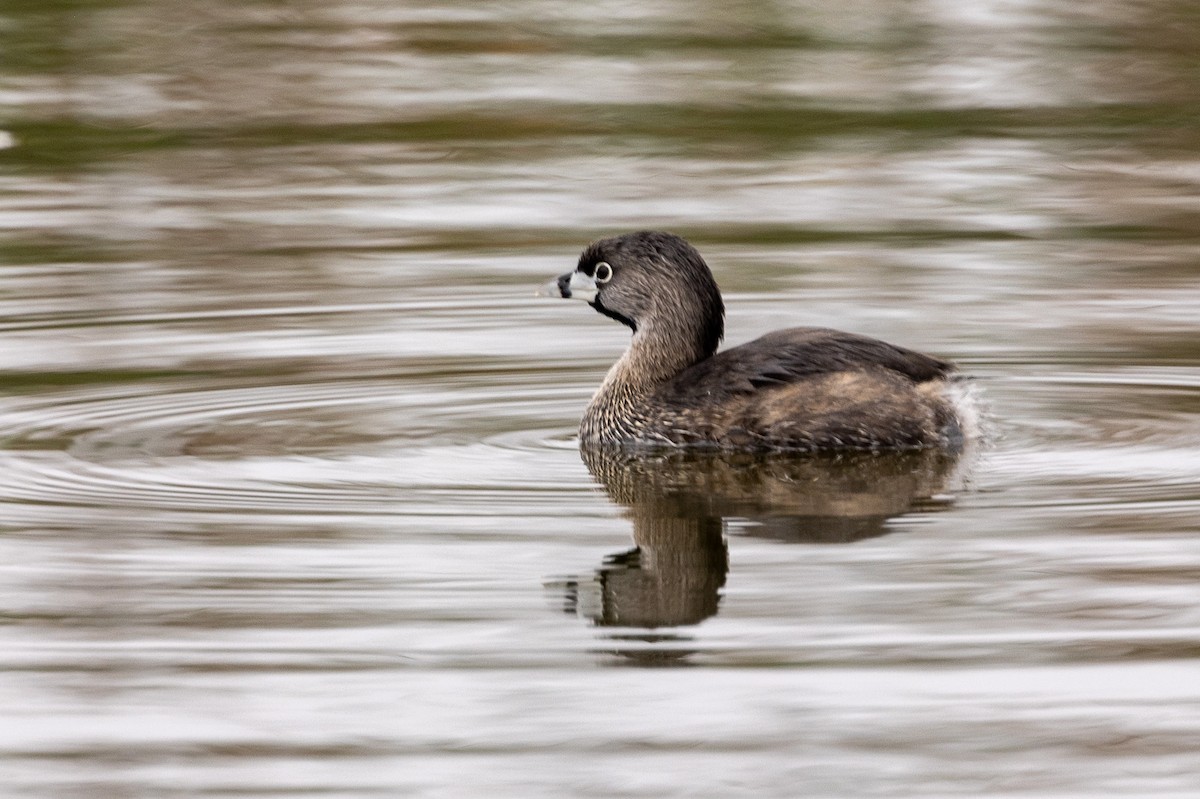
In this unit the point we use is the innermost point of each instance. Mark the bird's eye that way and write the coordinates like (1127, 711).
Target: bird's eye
(603, 272)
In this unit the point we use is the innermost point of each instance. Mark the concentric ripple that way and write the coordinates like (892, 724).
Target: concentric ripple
(483, 439)
(1104, 449)
(338, 447)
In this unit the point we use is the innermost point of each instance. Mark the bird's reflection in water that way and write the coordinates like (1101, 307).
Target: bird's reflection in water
(679, 502)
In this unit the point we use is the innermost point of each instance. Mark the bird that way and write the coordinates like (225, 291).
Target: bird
(801, 389)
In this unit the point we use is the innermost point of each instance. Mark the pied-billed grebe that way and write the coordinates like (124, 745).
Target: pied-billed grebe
(797, 389)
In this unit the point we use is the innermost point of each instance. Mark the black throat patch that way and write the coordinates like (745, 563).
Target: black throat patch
(611, 314)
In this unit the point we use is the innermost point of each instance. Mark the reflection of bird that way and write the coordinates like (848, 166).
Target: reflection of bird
(679, 499)
(672, 578)
(810, 498)
(796, 389)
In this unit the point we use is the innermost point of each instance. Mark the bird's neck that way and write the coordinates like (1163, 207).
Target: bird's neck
(659, 351)
(624, 402)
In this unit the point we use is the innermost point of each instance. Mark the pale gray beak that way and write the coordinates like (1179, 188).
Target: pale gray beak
(571, 286)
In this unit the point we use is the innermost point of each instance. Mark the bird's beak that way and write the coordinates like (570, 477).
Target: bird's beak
(571, 286)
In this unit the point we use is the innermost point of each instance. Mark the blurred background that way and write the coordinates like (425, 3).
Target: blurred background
(290, 501)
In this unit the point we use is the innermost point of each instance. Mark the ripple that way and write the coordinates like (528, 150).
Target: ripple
(1096, 449)
(338, 447)
(1132, 421)
(437, 440)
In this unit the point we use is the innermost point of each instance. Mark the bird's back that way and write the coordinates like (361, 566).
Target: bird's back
(808, 389)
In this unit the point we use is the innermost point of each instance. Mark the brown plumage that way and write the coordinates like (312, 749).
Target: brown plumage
(795, 389)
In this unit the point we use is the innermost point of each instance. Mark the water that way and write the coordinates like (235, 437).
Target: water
(290, 503)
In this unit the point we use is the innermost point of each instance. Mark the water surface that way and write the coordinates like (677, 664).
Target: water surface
(290, 501)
